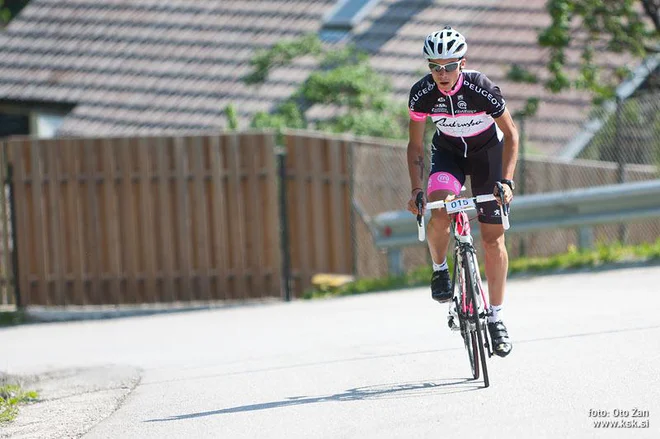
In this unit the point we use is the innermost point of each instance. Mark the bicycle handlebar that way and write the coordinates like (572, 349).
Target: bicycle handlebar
(504, 209)
(478, 199)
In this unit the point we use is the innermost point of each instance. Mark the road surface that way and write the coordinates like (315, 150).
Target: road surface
(382, 365)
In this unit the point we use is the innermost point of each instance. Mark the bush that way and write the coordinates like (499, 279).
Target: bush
(572, 259)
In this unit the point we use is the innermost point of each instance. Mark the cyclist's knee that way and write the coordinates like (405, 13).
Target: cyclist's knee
(492, 237)
(496, 243)
(439, 195)
(439, 215)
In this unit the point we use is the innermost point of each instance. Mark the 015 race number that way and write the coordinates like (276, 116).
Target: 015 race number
(460, 204)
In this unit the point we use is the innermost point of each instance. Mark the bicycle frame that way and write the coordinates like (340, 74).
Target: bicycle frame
(464, 248)
(469, 299)
(460, 226)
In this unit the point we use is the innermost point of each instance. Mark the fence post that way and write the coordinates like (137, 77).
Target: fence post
(586, 238)
(280, 151)
(14, 241)
(522, 250)
(352, 212)
(394, 261)
(620, 157)
(522, 145)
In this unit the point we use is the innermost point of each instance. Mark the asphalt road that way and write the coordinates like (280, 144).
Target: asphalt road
(375, 366)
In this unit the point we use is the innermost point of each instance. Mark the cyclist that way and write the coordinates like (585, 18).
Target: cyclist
(475, 135)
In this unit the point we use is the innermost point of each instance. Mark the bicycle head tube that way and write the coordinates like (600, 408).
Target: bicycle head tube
(462, 229)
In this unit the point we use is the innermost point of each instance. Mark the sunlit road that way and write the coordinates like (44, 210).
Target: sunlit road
(376, 366)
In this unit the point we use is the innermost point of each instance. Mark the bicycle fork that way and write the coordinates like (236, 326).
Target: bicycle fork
(458, 285)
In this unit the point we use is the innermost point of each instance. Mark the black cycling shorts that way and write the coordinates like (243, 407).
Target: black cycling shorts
(484, 169)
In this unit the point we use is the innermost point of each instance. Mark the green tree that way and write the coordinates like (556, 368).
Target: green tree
(232, 117)
(5, 13)
(9, 9)
(345, 81)
(281, 54)
(618, 26)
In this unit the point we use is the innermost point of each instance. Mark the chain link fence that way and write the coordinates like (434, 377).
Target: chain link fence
(380, 184)
(625, 149)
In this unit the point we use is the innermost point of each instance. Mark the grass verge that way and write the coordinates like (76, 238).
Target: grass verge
(11, 396)
(11, 318)
(572, 259)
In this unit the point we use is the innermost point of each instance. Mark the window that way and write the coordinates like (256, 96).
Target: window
(33, 118)
(45, 125)
(14, 125)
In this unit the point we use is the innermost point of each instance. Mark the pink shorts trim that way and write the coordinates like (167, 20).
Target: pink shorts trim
(443, 181)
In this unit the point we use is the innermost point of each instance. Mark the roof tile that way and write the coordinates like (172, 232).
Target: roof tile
(149, 66)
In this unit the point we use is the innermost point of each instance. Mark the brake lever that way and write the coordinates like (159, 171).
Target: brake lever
(500, 193)
(504, 206)
(419, 201)
(421, 230)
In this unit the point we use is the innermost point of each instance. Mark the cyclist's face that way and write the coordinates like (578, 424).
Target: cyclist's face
(445, 79)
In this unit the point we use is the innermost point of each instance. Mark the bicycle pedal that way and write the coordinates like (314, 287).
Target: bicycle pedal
(452, 324)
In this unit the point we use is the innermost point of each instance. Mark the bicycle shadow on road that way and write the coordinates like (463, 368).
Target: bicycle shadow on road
(405, 390)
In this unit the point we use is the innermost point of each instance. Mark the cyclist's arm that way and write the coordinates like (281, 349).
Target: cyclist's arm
(510, 154)
(416, 153)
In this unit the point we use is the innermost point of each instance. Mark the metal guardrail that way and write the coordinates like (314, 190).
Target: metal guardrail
(579, 208)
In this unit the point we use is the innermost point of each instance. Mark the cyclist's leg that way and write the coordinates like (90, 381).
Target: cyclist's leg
(485, 170)
(446, 178)
(496, 261)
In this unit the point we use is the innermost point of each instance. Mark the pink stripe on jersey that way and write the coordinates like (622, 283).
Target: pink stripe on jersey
(456, 115)
(416, 116)
(479, 132)
(470, 135)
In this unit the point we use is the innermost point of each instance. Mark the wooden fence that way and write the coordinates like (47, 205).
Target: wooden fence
(198, 218)
(7, 290)
(139, 220)
(145, 220)
(319, 207)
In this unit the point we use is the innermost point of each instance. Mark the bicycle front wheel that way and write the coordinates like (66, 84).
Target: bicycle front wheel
(473, 291)
(471, 346)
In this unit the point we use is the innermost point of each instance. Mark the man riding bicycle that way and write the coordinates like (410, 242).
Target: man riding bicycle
(475, 135)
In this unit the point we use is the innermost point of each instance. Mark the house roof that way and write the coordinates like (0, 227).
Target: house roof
(145, 66)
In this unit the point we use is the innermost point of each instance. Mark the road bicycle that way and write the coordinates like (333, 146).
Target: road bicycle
(469, 308)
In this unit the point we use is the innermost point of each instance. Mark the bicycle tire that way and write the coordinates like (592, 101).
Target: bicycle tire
(470, 342)
(469, 339)
(458, 274)
(472, 287)
(473, 353)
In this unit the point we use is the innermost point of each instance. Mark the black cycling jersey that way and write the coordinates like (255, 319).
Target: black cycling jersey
(464, 116)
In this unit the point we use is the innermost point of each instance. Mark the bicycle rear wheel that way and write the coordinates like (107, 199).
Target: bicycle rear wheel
(472, 286)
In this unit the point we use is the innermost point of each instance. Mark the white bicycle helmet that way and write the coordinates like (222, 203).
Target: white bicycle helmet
(445, 44)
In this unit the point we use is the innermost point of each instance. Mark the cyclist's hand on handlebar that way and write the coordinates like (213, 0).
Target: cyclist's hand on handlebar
(416, 196)
(508, 193)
